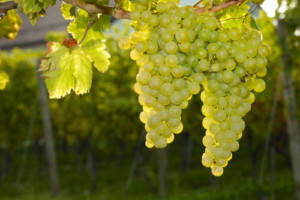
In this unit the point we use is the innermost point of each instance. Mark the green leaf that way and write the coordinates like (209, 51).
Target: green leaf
(234, 16)
(4, 79)
(32, 6)
(105, 22)
(126, 4)
(68, 11)
(36, 8)
(47, 3)
(82, 72)
(66, 70)
(10, 25)
(78, 27)
(99, 56)
(57, 70)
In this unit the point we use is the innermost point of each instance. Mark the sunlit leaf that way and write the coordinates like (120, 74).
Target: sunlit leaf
(78, 27)
(32, 6)
(36, 8)
(99, 56)
(68, 11)
(66, 69)
(82, 72)
(10, 25)
(58, 71)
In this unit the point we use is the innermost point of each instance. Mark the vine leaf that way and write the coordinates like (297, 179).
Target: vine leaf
(68, 11)
(78, 27)
(82, 73)
(98, 55)
(66, 69)
(36, 8)
(10, 25)
(32, 6)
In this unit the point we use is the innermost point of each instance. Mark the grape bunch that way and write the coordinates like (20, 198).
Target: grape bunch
(178, 51)
(163, 46)
(233, 63)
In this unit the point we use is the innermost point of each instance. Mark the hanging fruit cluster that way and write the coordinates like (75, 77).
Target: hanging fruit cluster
(178, 51)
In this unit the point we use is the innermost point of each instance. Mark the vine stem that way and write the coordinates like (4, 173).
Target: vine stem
(196, 4)
(119, 12)
(6, 6)
(219, 7)
(96, 9)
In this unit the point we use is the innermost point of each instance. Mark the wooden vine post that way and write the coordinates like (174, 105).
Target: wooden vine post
(290, 105)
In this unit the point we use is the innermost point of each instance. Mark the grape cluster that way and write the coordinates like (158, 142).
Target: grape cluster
(162, 47)
(178, 51)
(233, 62)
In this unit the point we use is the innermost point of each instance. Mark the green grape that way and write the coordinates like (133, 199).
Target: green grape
(207, 161)
(161, 142)
(204, 65)
(143, 77)
(148, 66)
(152, 47)
(259, 85)
(212, 48)
(202, 53)
(250, 65)
(262, 72)
(228, 76)
(234, 34)
(211, 23)
(213, 85)
(171, 60)
(164, 70)
(222, 54)
(171, 47)
(185, 47)
(181, 35)
(240, 57)
(194, 87)
(224, 37)
(251, 51)
(198, 77)
(178, 71)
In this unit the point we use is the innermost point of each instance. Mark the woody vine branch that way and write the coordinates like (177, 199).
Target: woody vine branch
(119, 12)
